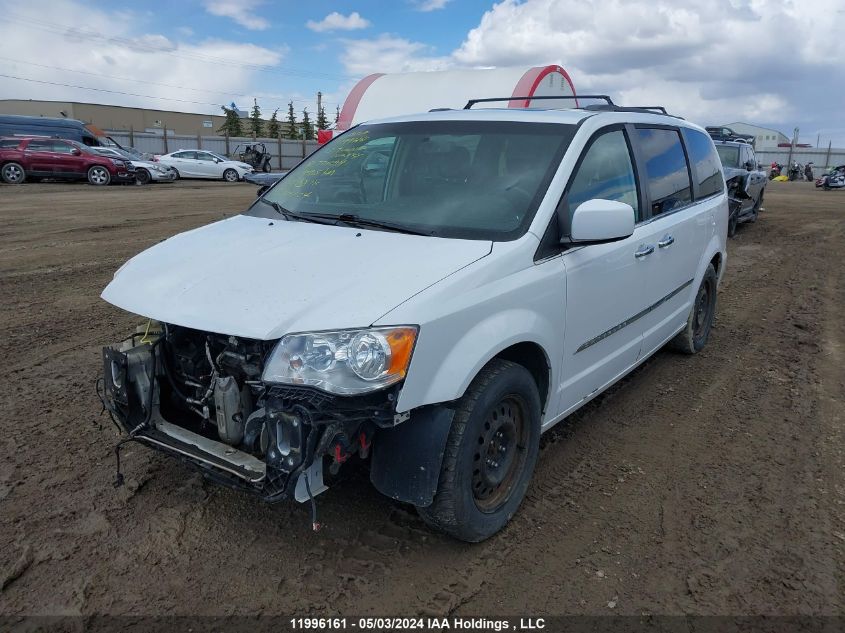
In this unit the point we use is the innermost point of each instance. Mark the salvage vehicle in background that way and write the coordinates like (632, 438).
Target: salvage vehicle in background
(254, 154)
(429, 292)
(145, 171)
(834, 179)
(264, 181)
(37, 158)
(190, 163)
(746, 181)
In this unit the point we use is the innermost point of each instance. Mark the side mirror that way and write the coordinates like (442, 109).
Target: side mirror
(261, 190)
(76, 151)
(749, 165)
(597, 220)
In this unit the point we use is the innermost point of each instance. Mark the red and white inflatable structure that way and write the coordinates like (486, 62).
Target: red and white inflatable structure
(384, 95)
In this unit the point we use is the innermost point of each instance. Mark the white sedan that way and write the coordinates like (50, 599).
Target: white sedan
(190, 163)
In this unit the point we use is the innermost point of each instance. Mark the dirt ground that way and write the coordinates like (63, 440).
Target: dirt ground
(712, 484)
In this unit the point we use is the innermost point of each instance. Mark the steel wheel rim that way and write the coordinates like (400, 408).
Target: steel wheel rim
(702, 310)
(99, 175)
(500, 452)
(13, 173)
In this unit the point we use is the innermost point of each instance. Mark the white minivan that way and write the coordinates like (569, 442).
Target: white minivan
(429, 293)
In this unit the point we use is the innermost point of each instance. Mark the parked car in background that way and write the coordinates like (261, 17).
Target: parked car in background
(263, 180)
(192, 163)
(453, 284)
(145, 171)
(70, 129)
(37, 158)
(746, 181)
(834, 179)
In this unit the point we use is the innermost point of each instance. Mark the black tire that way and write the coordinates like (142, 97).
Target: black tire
(13, 173)
(266, 167)
(732, 224)
(694, 336)
(490, 454)
(142, 176)
(99, 176)
(231, 175)
(176, 171)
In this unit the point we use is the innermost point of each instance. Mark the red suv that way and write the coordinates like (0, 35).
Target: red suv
(39, 157)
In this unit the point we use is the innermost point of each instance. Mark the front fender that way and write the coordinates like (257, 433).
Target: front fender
(449, 367)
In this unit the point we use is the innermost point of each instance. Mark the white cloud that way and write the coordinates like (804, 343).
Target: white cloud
(112, 54)
(335, 21)
(712, 62)
(244, 12)
(389, 54)
(430, 5)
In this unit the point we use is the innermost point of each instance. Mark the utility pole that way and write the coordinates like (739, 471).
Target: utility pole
(791, 149)
(319, 102)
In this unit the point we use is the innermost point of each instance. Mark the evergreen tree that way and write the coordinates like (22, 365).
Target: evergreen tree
(256, 125)
(274, 127)
(322, 119)
(232, 126)
(337, 115)
(307, 127)
(293, 126)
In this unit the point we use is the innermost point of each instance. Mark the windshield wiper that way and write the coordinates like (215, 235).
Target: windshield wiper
(356, 220)
(294, 215)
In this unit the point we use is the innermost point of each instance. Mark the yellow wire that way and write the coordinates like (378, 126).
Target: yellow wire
(144, 338)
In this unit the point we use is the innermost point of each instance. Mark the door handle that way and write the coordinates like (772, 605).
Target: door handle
(667, 240)
(643, 250)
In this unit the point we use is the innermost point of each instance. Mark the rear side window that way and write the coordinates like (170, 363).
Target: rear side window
(666, 165)
(8, 143)
(705, 163)
(40, 146)
(605, 172)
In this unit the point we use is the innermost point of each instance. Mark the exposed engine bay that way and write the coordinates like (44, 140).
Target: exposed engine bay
(201, 396)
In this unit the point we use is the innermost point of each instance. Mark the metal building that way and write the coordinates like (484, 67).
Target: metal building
(383, 95)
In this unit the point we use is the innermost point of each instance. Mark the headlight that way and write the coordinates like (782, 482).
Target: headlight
(346, 362)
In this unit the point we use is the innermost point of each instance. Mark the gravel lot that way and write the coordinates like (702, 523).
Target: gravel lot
(712, 484)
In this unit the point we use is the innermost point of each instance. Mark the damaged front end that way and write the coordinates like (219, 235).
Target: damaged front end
(203, 397)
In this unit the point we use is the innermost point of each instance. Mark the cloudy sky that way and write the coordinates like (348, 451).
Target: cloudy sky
(779, 63)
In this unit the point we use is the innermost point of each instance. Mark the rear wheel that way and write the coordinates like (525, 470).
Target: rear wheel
(490, 454)
(142, 176)
(13, 173)
(693, 337)
(99, 175)
(231, 175)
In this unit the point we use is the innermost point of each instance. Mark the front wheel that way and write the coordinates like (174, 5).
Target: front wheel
(490, 454)
(230, 175)
(13, 173)
(99, 175)
(142, 176)
(694, 336)
(732, 225)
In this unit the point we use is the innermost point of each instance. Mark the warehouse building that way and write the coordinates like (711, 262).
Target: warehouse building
(109, 117)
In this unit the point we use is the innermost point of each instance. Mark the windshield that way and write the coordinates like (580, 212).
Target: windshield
(729, 155)
(468, 179)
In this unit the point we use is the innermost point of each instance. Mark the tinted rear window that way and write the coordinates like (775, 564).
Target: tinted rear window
(668, 175)
(6, 143)
(705, 161)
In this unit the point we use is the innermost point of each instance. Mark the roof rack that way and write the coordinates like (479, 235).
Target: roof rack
(607, 106)
(472, 102)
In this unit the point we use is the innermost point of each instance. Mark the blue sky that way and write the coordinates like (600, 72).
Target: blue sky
(771, 62)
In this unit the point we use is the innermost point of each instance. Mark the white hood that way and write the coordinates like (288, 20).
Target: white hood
(261, 278)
